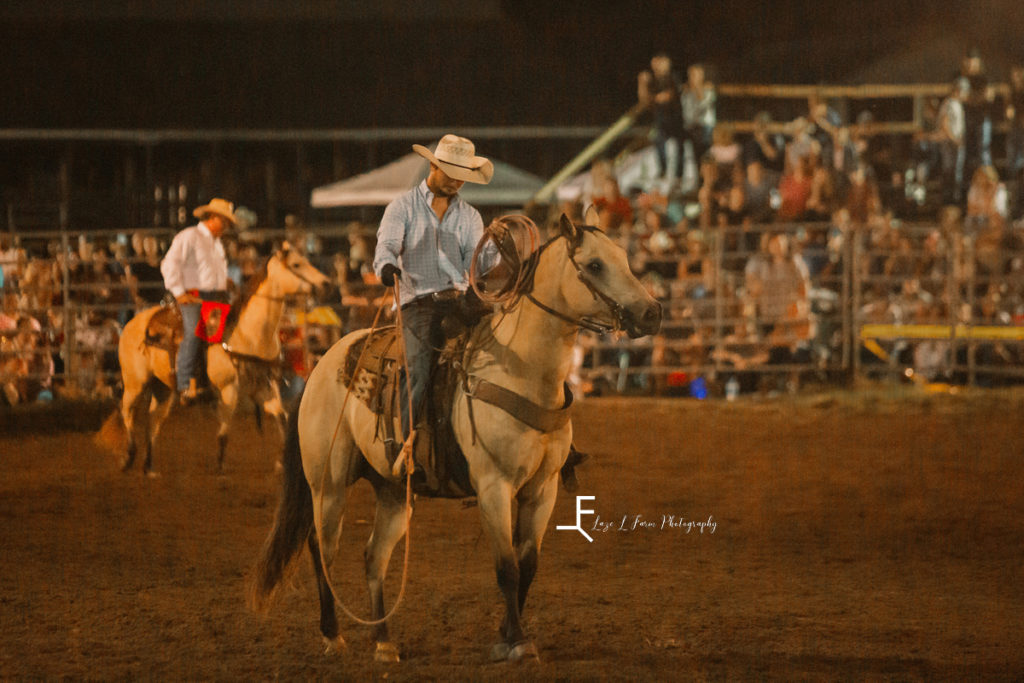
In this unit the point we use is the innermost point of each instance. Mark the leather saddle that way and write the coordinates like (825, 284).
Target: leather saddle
(165, 330)
(372, 372)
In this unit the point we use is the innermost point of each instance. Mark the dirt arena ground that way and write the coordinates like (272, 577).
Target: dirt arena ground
(875, 538)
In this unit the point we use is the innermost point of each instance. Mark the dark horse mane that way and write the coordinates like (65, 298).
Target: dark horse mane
(249, 287)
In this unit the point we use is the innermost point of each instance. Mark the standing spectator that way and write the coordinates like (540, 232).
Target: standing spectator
(764, 146)
(778, 287)
(950, 141)
(1015, 139)
(699, 110)
(977, 115)
(824, 125)
(659, 88)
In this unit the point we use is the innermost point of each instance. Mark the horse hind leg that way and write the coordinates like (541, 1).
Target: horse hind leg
(274, 406)
(159, 408)
(329, 495)
(131, 401)
(390, 523)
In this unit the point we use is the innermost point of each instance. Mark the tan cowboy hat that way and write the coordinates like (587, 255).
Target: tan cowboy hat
(221, 207)
(457, 158)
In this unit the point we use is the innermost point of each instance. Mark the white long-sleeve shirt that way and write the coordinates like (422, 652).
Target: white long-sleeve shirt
(196, 260)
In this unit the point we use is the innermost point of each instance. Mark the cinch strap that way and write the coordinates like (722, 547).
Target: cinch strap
(526, 411)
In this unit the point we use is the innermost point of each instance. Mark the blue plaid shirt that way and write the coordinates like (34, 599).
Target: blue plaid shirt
(433, 255)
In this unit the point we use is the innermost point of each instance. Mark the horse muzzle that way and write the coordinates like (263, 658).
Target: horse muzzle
(642, 323)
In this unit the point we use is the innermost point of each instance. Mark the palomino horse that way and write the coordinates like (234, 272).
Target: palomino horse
(581, 279)
(245, 364)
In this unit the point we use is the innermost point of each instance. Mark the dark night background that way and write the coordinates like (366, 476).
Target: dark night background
(331, 64)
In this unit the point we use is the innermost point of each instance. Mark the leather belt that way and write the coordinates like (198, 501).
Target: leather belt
(445, 295)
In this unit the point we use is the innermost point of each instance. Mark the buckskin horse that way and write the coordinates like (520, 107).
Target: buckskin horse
(581, 278)
(246, 364)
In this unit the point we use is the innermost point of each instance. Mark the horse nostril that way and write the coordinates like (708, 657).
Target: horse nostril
(653, 312)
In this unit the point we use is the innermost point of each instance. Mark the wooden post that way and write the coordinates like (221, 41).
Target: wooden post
(270, 178)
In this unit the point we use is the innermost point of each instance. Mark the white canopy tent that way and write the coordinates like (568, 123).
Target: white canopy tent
(510, 186)
(638, 169)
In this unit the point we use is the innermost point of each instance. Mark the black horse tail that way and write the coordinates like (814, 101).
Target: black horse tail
(292, 524)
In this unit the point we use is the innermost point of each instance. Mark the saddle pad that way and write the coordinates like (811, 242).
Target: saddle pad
(212, 317)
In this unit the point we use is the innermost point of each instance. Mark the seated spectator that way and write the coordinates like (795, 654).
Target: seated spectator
(759, 187)
(724, 148)
(9, 261)
(986, 199)
(861, 199)
(820, 199)
(613, 208)
(145, 282)
(795, 190)
(38, 285)
(695, 271)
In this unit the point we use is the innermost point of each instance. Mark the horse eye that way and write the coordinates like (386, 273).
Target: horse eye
(595, 267)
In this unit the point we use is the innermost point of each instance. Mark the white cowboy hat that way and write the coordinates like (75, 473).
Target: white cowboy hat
(221, 207)
(457, 158)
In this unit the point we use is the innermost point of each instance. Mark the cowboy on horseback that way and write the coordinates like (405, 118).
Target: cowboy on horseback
(426, 241)
(195, 269)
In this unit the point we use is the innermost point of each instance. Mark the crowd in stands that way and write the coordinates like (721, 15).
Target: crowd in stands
(93, 290)
(747, 236)
(939, 226)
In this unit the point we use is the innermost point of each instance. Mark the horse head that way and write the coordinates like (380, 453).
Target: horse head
(599, 287)
(292, 273)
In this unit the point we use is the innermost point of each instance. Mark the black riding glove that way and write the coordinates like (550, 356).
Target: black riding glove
(388, 274)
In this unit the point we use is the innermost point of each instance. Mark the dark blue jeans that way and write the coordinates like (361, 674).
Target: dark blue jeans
(424, 339)
(192, 347)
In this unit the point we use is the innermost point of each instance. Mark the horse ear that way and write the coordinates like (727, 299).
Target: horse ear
(570, 232)
(592, 217)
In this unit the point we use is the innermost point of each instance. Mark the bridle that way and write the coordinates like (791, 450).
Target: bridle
(614, 307)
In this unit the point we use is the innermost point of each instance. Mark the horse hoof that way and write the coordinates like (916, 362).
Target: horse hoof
(523, 652)
(386, 652)
(279, 467)
(500, 652)
(126, 465)
(152, 474)
(336, 645)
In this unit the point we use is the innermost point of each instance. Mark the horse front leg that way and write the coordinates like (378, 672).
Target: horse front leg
(225, 411)
(495, 503)
(535, 507)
